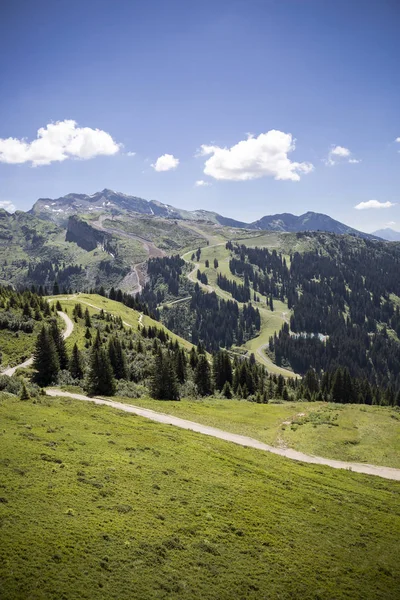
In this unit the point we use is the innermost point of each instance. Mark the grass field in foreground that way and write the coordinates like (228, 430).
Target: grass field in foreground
(350, 432)
(100, 504)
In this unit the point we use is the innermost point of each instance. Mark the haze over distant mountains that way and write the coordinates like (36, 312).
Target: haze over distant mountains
(388, 234)
(107, 201)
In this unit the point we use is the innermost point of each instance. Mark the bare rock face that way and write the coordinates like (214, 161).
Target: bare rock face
(84, 235)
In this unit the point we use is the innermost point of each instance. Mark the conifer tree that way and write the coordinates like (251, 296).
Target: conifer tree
(76, 363)
(227, 390)
(88, 321)
(193, 358)
(163, 379)
(24, 395)
(202, 376)
(45, 359)
(117, 358)
(100, 375)
(60, 345)
(181, 365)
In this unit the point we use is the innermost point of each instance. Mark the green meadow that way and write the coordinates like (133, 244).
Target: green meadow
(100, 504)
(350, 432)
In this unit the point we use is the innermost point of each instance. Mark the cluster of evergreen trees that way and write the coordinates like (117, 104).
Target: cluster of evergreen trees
(114, 353)
(207, 319)
(166, 282)
(343, 310)
(46, 272)
(339, 386)
(212, 321)
(239, 292)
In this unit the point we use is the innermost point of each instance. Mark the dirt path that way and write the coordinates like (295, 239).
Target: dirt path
(27, 363)
(385, 472)
(264, 358)
(176, 301)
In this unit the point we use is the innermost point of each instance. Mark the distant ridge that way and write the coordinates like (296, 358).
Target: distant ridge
(388, 234)
(109, 201)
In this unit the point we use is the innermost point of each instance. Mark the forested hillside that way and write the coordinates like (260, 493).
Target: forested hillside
(344, 324)
(345, 303)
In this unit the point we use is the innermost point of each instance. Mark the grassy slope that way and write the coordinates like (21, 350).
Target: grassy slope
(353, 432)
(128, 315)
(15, 347)
(165, 234)
(97, 504)
(271, 322)
(17, 250)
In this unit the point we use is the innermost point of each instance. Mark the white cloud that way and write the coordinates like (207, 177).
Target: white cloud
(202, 183)
(373, 204)
(397, 140)
(391, 223)
(8, 206)
(262, 156)
(166, 162)
(131, 153)
(340, 151)
(339, 154)
(57, 142)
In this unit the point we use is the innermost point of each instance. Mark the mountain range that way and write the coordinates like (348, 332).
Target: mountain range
(116, 203)
(388, 234)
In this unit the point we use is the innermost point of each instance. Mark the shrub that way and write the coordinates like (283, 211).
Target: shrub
(130, 389)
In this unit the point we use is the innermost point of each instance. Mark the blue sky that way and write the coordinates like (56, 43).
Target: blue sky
(192, 80)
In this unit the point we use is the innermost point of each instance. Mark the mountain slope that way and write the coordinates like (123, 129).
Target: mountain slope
(309, 221)
(116, 203)
(388, 234)
(35, 251)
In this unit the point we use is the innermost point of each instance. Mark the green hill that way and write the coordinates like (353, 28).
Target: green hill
(98, 504)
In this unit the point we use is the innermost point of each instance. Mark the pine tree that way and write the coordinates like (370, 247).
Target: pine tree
(76, 363)
(202, 376)
(45, 359)
(181, 364)
(117, 358)
(24, 395)
(60, 345)
(88, 321)
(100, 376)
(337, 390)
(227, 390)
(193, 358)
(56, 288)
(163, 384)
(222, 369)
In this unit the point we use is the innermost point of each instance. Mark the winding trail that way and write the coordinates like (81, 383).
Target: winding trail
(259, 352)
(27, 363)
(385, 472)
